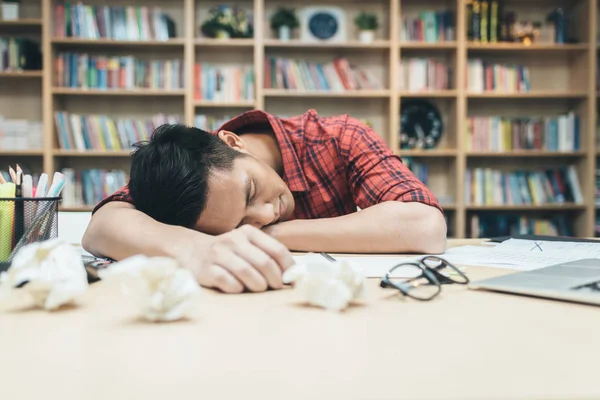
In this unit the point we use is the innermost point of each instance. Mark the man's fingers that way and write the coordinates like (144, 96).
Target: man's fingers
(219, 278)
(262, 262)
(243, 271)
(275, 249)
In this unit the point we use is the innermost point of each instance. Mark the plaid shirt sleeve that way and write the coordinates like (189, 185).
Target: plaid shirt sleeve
(120, 195)
(375, 174)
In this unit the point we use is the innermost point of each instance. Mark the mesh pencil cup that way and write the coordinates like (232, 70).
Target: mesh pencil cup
(24, 221)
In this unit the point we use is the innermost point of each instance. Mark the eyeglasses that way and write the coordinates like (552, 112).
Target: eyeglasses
(423, 279)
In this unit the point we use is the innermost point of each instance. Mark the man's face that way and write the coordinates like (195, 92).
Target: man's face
(251, 193)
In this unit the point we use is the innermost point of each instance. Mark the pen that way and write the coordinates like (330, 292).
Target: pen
(327, 257)
(19, 209)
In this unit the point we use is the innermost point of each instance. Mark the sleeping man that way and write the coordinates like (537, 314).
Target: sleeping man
(232, 204)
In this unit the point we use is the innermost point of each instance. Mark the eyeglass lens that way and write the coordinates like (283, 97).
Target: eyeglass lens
(445, 269)
(413, 281)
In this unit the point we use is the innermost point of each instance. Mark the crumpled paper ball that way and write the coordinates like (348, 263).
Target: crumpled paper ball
(52, 272)
(163, 289)
(326, 284)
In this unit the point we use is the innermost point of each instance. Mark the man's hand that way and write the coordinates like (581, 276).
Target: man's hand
(245, 258)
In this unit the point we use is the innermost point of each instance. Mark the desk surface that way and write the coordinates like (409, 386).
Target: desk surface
(464, 345)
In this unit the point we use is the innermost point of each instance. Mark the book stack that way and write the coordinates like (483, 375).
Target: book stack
(598, 187)
(19, 54)
(486, 186)
(210, 123)
(303, 75)
(486, 21)
(486, 225)
(82, 70)
(429, 26)
(100, 132)
(562, 133)
(423, 74)
(417, 168)
(88, 187)
(485, 76)
(223, 83)
(20, 134)
(116, 22)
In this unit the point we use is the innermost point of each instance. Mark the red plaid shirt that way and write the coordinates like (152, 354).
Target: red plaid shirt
(331, 165)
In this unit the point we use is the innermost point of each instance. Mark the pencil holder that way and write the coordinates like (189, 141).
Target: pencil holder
(24, 221)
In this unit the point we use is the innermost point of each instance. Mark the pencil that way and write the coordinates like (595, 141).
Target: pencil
(2, 180)
(13, 174)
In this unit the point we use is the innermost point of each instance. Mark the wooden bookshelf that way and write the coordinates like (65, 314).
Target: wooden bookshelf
(563, 78)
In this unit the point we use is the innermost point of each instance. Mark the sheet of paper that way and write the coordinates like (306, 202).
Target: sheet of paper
(373, 266)
(523, 254)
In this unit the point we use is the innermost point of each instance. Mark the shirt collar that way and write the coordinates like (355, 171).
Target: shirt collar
(293, 173)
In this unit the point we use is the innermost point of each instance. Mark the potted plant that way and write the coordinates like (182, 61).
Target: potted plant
(226, 22)
(367, 24)
(283, 21)
(10, 9)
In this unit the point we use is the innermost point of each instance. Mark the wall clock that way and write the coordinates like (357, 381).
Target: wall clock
(323, 24)
(421, 125)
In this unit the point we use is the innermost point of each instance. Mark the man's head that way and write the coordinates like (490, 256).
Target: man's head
(213, 183)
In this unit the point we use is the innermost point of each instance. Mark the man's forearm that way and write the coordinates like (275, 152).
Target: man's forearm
(119, 231)
(390, 227)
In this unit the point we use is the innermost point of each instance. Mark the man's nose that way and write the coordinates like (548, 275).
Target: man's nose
(261, 215)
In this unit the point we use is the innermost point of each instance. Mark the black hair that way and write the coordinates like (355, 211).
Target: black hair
(169, 172)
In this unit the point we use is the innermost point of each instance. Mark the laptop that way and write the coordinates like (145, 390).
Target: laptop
(576, 281)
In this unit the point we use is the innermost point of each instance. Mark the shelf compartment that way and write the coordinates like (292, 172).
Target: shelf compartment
(526, 153)
(527, 207)
(21, 74)
(351, 45)
(92, 153)
(331, 94)
(117, 92)
(427, 153)
(177, 42)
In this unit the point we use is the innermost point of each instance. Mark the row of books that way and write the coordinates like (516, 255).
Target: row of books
(420, 170)
(116, 22)
(338, 75)
(429, 26)
(210, 123)
(485, 22)
(18, 53)
(87, 187)
(493, 225)
(598, 187)
(20, 134)
(487, 186)
(561, 133)
(423, 74)
(100, 132)
(223, 83)
(83, 70)
(484, 76)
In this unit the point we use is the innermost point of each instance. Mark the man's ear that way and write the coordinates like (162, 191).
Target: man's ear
(232, 140)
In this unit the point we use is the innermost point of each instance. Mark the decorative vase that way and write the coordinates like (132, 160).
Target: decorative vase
(10, 11)
(366, 36)
(285, 33)
(223, 35)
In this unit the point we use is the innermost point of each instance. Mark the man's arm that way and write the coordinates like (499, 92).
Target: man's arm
(244, 258)
(389, 227)
(399, 214)
(117, 230)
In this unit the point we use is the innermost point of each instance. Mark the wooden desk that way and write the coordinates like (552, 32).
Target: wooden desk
(463, 345)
